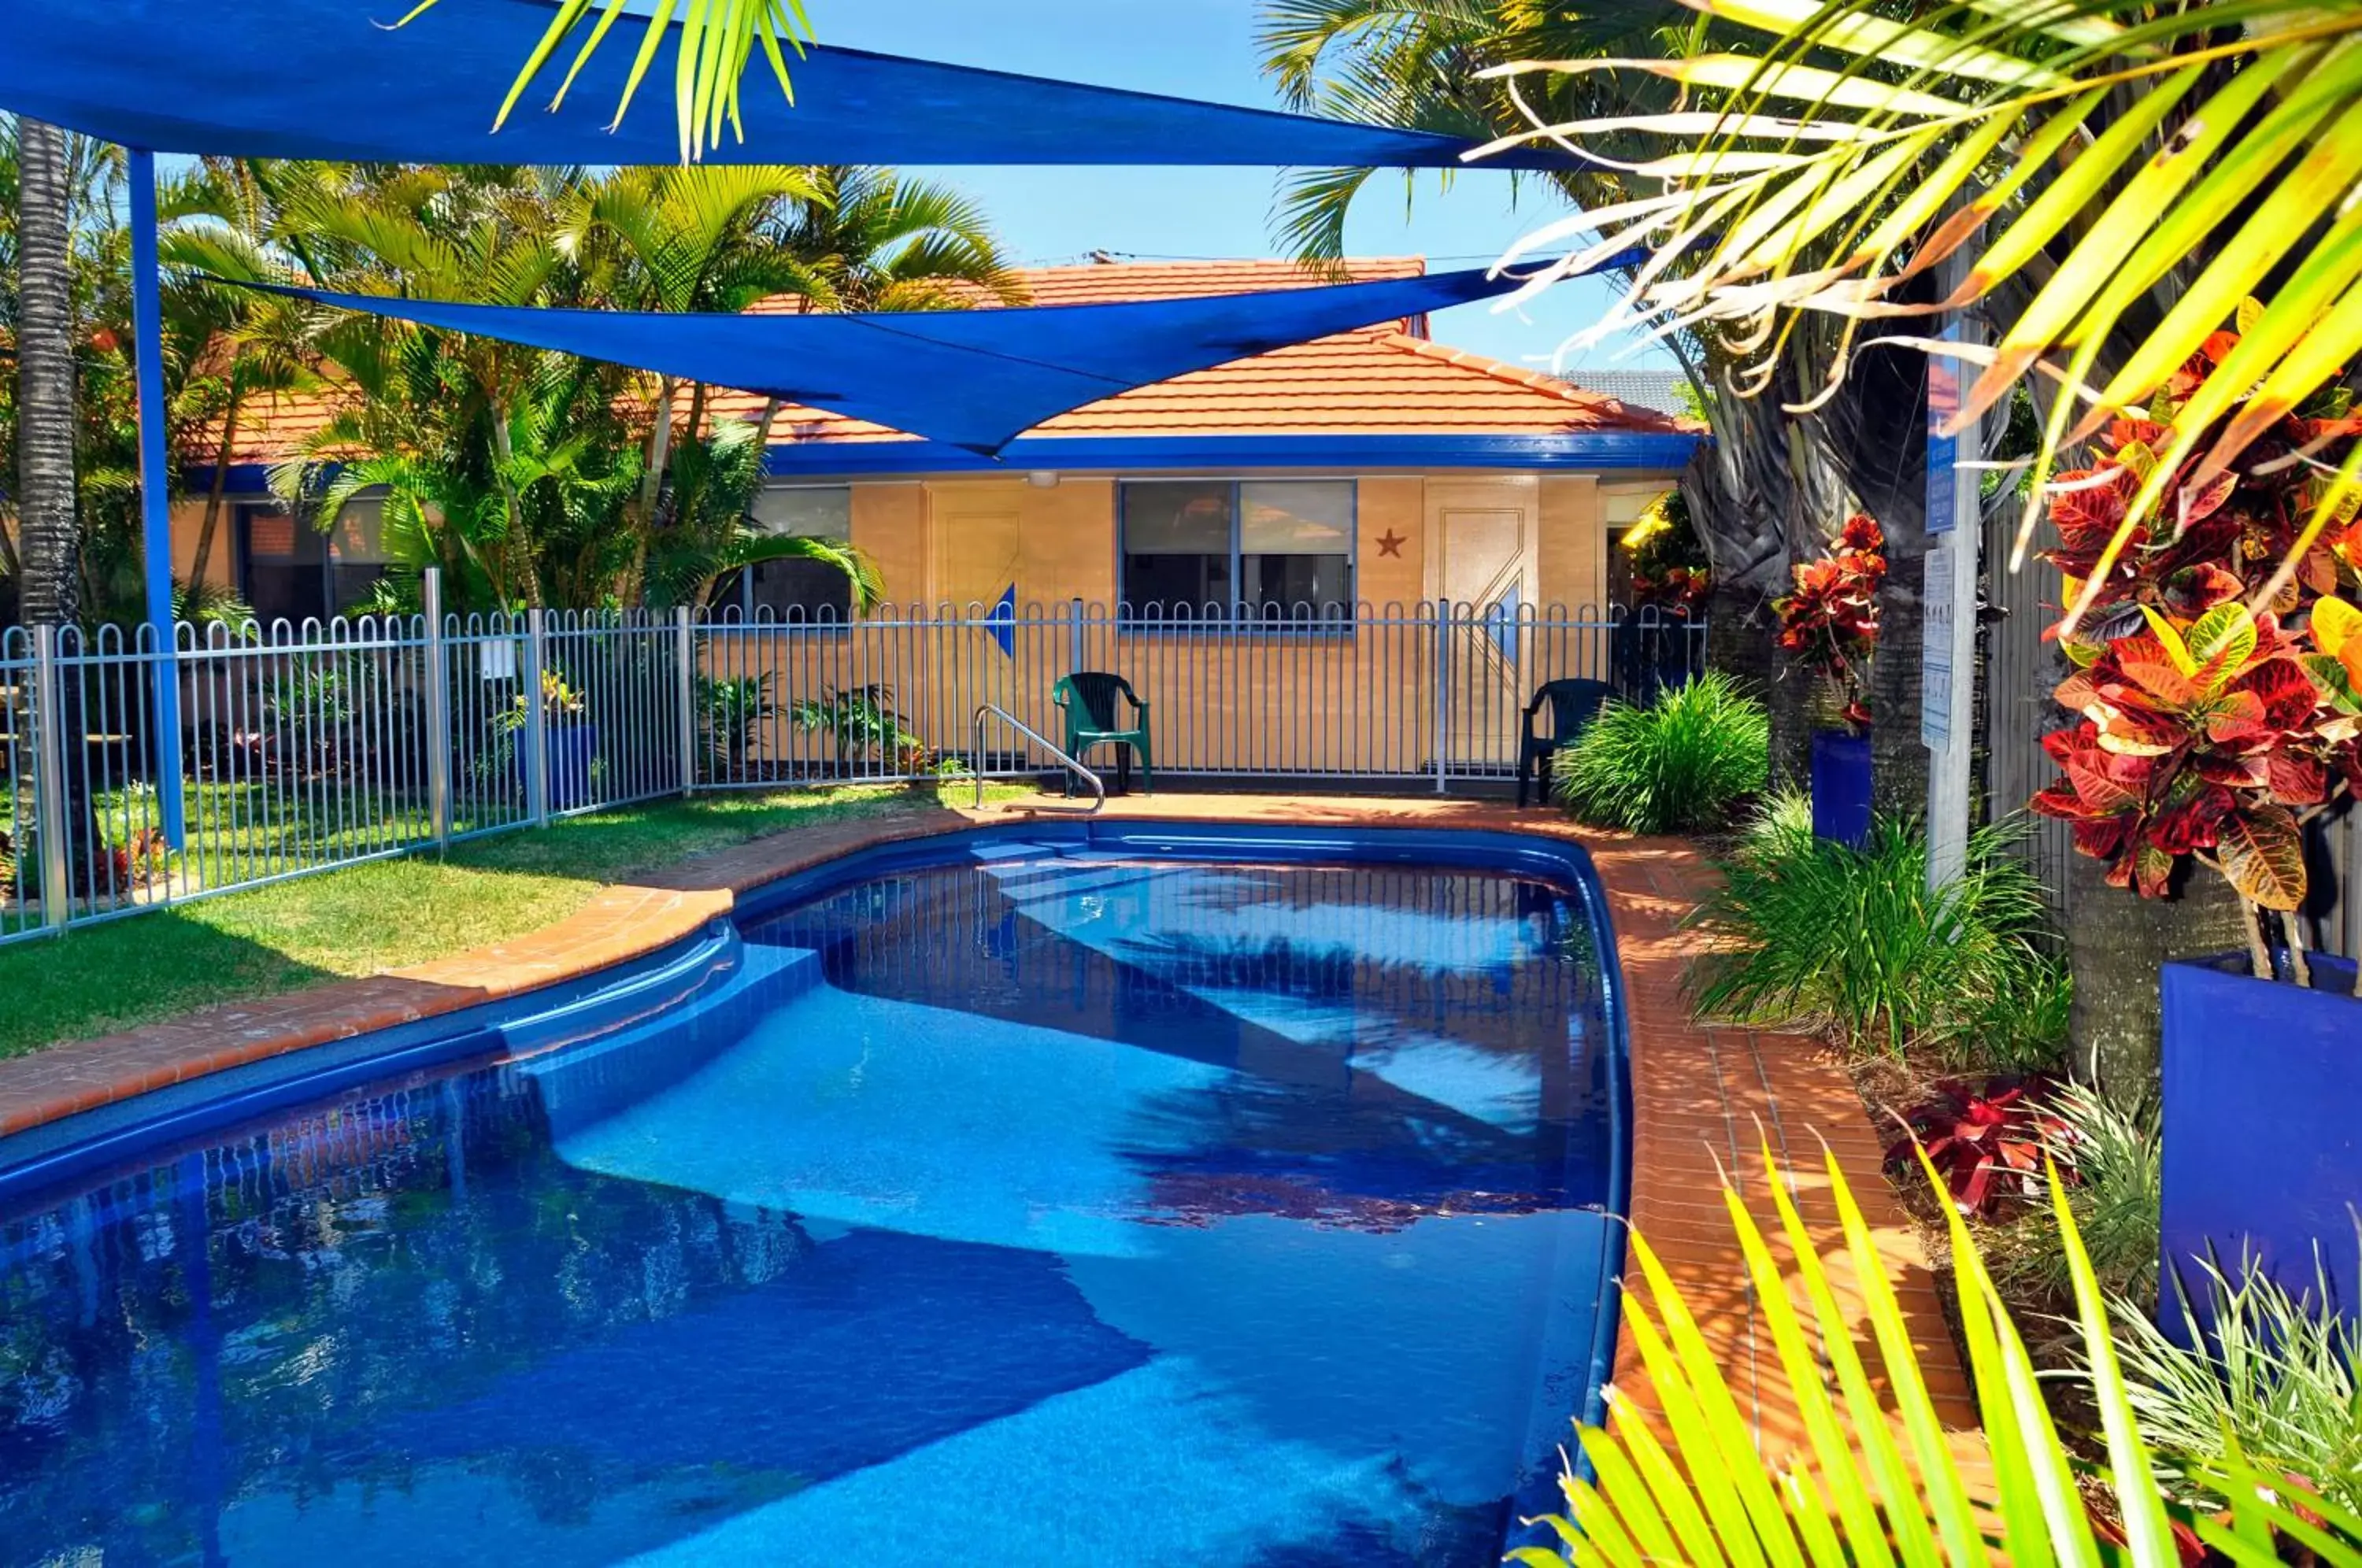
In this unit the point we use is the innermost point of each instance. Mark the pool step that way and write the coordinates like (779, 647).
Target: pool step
(592, 1061)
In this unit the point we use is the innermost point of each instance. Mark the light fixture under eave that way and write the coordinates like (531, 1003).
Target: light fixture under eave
(1042, 478)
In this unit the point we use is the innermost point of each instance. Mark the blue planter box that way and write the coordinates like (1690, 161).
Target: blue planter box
(569, 750)
(2263, 1126)
(1841, 787)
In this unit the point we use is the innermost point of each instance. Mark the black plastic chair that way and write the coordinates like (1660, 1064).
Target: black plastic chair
(1573, 705)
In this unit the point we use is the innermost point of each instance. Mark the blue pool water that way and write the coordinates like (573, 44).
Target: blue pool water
(1044, 1207)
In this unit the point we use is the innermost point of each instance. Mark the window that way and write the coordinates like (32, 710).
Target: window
(357, 554)
(285, 563)
(293, 571)
(1268, 549)
(811, 588)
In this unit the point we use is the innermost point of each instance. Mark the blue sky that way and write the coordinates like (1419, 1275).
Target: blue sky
(1201, 49)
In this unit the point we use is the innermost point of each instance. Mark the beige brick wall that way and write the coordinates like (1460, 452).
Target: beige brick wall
(1570, 547)
(1362, 702)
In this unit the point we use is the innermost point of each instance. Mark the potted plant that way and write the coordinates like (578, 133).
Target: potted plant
(1830, 626)
(2218, 693)
(569, 742)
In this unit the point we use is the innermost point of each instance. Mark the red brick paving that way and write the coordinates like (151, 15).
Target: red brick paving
(1700, 1093)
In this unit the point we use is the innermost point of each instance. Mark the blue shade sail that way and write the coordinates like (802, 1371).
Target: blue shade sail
(975, 379)
(330, 79)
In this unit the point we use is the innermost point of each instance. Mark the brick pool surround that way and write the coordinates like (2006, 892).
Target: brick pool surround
(1705, 1097)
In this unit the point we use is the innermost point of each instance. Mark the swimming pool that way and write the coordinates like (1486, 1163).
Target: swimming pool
(1036, 1196)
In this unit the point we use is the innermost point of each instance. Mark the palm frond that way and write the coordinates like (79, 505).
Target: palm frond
(713, 46)
(1878, 1478)
(2117, 178)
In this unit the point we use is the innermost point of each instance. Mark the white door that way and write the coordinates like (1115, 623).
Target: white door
(1482, 536)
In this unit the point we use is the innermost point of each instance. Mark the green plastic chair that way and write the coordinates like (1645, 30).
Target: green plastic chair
(1087, 699)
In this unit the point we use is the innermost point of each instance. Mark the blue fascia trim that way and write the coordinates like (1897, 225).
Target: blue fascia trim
(1586, 451)
(1590, 452)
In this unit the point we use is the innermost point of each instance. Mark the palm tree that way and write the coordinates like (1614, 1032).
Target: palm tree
(1771, 485)
(688, 239)
(49, 583)
(858, 238)
(705, 541)
(490, 235)
(2134, 175)
(882, 240)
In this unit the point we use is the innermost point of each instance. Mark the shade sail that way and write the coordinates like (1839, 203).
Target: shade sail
(330, 79)
(976, 378)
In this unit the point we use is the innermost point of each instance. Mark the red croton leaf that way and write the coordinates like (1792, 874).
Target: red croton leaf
(2194, 823)
(2236, 719)
(2161, 681)
(2295, 779)
(2287, 693)
(2196, 506)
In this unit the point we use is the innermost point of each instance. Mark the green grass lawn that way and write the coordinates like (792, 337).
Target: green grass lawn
(385, 915)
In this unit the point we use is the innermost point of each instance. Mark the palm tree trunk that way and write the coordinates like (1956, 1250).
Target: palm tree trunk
(214, 497)
(47, 510)
(2116, 944)
(1758, 492)
(50, 587)
(652, 477)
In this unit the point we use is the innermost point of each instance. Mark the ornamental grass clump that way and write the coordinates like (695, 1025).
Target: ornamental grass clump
(1687, 763)
(1806, 931)
(2283, 1386)
(2113, 1159)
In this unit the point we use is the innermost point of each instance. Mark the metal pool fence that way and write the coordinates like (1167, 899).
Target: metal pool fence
(305, 748)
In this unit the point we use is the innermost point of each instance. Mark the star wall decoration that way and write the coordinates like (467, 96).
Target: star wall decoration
(1391, 543)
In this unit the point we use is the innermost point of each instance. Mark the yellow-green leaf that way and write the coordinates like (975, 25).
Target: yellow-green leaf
(2262, 853)
(2334, 624)
(2220, 643)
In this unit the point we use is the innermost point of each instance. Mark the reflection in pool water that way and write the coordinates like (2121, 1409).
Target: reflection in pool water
(1048, 1209)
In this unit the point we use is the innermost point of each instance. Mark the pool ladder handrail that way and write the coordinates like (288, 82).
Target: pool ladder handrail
(994, 709)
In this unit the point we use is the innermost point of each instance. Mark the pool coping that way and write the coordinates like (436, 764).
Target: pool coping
(1689, 1127)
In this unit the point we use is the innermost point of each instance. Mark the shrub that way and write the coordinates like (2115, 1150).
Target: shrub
(1683, 764)
(1984, 1141)
(1807, 931)
(2284, 1385)
(2209, 728)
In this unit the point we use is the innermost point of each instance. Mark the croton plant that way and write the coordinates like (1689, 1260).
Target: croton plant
(1668, 561)
(2211, 726)
(1830, 623)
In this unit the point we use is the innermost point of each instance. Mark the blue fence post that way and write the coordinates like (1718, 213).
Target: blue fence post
(155, 499)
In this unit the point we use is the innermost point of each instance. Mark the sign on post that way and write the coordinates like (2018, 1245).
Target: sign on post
(1949, 618)
(1935, 657)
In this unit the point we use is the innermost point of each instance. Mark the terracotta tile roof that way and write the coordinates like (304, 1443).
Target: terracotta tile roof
(1382, 381)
